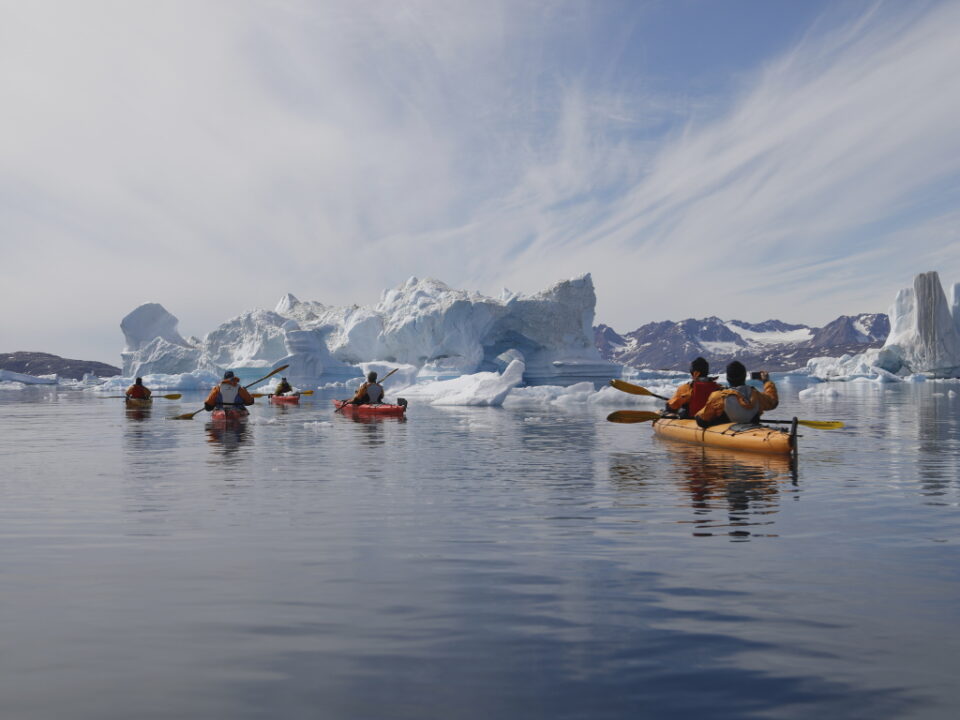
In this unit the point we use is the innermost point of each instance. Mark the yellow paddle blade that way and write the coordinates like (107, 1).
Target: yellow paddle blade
(172, 396)
(626, 387)
(188, 416)
(632, 416)
(821, 424)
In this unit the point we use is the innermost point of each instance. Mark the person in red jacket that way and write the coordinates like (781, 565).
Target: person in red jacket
(228, 392)
(138, 390)
(692, 396)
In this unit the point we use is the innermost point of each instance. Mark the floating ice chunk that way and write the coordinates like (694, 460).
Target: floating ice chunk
(819, 391)
(484, 388)
(10, 376)
(952, 393)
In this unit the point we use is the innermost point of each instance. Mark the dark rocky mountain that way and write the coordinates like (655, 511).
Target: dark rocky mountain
(38, 363)
(771, 345)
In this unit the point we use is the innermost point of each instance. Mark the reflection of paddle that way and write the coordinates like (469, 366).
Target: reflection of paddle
(189, 416)
(634, 390)
(171, 396)
(305, 392)
(632, 416)
(382, 380)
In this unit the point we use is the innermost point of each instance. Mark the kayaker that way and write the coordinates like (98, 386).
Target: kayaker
(739, 403)
(283, 388)
(692, 396)
(370, 393)
(138, 391)
(228, 392)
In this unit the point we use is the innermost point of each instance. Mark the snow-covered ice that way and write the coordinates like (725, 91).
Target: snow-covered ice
(423, 324)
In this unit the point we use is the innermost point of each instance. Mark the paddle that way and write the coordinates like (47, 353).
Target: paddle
(305, 392)
(634, 389)
(189, 416)
(638, 416)
(632, 416)
(382, 380)
(171, 396)
(818, 424)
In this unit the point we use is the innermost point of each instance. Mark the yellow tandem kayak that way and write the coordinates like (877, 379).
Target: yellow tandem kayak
(732, 436)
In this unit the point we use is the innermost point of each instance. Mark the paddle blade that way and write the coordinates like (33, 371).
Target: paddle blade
(188, 416)
(307, 392)
(821, 424)
(172, 396)
(626, 387)
(632, 416)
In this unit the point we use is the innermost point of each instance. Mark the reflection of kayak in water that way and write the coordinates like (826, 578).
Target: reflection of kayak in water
(229, 415)
(138, 402)
(730, 436)
(731, 464)
(378, 410)
(285, 399)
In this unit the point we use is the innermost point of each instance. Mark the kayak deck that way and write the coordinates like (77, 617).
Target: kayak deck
(284, 399)
(732, 436)
(380, 409)
(138, 402)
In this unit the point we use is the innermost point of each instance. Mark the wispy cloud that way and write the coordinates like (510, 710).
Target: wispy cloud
(213, 156)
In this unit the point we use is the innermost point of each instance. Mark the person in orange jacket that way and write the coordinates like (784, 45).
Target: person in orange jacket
(739, 403)
(692, 396)
(228, 392)
(138, 390)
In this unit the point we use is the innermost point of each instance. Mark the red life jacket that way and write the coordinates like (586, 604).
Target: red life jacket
(137, 391)
(700, 391)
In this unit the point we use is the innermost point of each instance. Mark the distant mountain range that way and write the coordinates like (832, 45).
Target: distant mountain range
(772, 345)
(38, 363)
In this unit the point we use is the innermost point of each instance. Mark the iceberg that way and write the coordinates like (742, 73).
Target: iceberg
(424, 324)
(10, 376)
(924, 333)
(924, 339)
(483, 388)
(152, 343)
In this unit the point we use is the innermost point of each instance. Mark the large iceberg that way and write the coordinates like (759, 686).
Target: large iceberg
(924, 330)
(924, 338)
(443, 332)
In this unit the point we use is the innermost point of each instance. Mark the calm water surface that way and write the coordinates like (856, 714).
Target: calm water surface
(475, 563)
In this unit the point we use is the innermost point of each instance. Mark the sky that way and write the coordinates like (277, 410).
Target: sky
(748, 159)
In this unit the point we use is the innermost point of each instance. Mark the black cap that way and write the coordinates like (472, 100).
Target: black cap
(139, 381)
(372, 376)
(736, 373)
(701, 366)
(228, 374)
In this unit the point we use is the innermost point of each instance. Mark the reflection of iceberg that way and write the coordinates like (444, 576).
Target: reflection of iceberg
(924, 338)
(443, 332)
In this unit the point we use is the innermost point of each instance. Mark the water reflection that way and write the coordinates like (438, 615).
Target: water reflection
(228, 437)
(745, 487)
(139, 413)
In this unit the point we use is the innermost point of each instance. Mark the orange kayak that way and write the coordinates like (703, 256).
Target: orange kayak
(380, 409)
(284, 399)
(732, 436)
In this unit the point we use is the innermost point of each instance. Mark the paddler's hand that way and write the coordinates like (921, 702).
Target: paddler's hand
(764, 376)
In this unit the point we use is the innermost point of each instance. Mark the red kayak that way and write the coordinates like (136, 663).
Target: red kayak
(378, 410)
(229, 414)
(285, 399)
